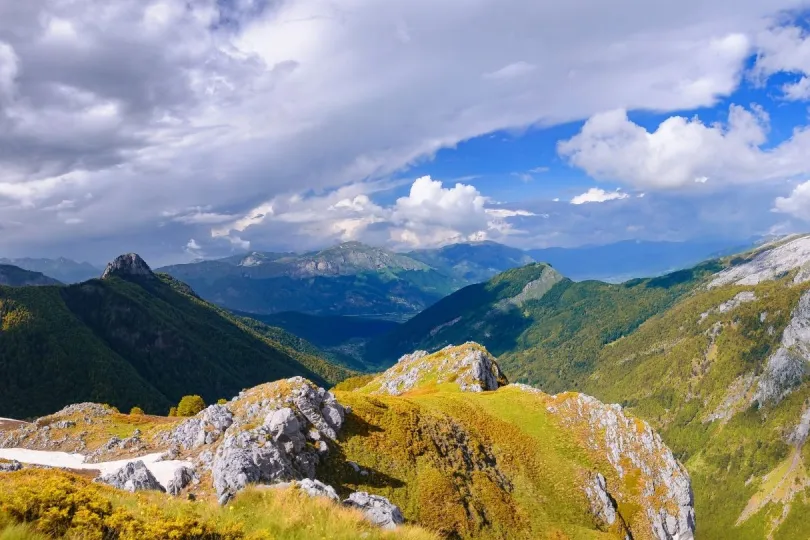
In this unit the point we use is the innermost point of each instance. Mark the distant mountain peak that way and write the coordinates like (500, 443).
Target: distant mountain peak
(130, 264)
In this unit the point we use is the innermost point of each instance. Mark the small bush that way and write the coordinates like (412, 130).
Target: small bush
(190, 405)
(173, 411)
(222, 401)
(136, 411)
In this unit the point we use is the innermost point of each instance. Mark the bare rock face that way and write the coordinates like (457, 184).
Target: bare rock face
(602, 504)
(631, 446)
(788, 366)
(132, 477)
(378, 510)
(182, 477)
(204, 428)
(130, 264)
(770, 263)
(469, 365)
(287, 445)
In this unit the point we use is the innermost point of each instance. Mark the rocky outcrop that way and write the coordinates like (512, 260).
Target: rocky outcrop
(205, 428)
(133, 476)
(468, 365)
(633, 448)
(770, 263)
(602, 504)
(182, 478)
(11, 466)
(729, 305)
(127, 265)
(313, 488)
(288, 443)
(534, 290)
(787, 367)
(377, 509)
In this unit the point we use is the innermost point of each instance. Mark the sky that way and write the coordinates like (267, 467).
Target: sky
(202, 128)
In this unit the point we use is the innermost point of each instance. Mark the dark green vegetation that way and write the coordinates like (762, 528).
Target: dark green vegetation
(349, 279)
(473, 262)
(14, 276)
(62, 269)
(551, 336)
(136, 341)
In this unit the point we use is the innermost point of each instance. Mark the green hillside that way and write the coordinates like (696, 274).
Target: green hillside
(13, 276)
(715, 358)
(131, 340)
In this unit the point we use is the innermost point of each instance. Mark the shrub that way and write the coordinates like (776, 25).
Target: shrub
(190, 405)
(136, 411)
(173, 411)
(222, 401)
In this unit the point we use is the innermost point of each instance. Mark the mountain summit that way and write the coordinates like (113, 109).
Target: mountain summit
(130, 264)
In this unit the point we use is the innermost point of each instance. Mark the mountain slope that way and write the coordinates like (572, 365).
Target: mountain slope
(545, 329)
(440, 437)
(349, 279)
(473, 262)
(62, 269)
(13, 276)
(715, 358)
(132, 338)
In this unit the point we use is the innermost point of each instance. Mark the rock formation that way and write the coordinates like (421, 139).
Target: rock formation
(130, 264)
(377, 509)
(132, 477)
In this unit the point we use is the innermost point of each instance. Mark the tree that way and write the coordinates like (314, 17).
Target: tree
(190, 405)
(136, 411)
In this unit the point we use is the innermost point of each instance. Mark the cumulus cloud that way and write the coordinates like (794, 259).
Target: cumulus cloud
(797, 204)
(785, 49)
(597, 195)
(155, 105)
(685, 151)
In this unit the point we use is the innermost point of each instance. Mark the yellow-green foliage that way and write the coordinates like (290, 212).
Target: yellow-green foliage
(190, 405)
(173, 412)
(354, 383)
(222, 401)
(36, 504)
(677, 369)
(472, 465)
(136, 411)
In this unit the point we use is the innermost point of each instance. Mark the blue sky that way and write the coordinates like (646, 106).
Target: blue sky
(198, 129)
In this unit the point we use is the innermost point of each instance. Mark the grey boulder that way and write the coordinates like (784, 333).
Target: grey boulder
(132, 477)
(377, 509)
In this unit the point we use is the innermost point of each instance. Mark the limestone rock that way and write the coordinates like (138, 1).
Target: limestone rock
(469, 365)
(378, 510)
(602, 504)
(787, 367)
(313, 488)
(11, 466)
(182, 477)
(204, 428)
(770, 263)
(133, 476)
(130, 264)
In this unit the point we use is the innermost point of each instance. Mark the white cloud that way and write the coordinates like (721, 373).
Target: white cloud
(223, 104)
(597, 195)
(785, 49)
(684, 151)
(797, 204)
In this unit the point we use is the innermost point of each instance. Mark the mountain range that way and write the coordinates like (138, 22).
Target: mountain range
(14, 276)
(708, 367)
(61, 269)
(135, 338)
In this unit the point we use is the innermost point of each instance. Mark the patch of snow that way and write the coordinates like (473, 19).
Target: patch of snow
(163, 470)
(769, 264)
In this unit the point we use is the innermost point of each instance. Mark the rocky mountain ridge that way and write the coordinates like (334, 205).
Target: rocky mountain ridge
(13, 276)
(294, 431)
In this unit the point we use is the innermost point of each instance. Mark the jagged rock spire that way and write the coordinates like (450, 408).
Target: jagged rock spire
(130, 264)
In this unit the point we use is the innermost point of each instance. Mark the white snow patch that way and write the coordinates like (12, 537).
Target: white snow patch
(163, 470)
